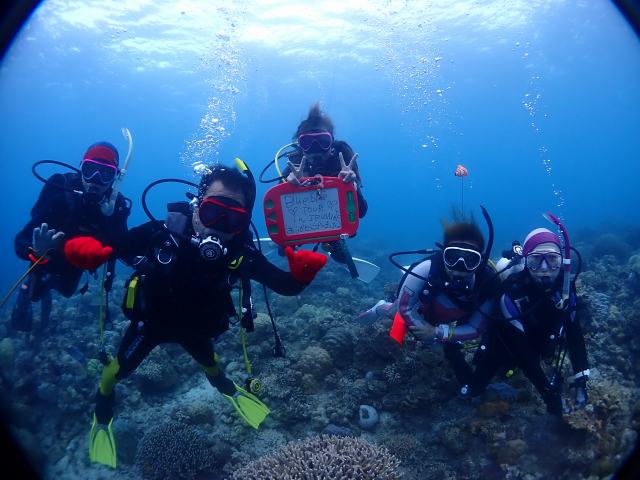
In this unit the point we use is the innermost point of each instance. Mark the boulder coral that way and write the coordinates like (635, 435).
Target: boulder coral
(173, 450)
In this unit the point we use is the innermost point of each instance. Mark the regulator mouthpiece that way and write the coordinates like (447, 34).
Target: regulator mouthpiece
(212, 249)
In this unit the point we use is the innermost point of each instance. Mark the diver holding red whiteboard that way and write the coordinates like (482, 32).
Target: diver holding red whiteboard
(320, 198)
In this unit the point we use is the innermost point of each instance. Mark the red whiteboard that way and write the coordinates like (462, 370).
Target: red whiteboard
(314, 213)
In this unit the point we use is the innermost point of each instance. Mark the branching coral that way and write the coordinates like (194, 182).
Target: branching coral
(324, 457)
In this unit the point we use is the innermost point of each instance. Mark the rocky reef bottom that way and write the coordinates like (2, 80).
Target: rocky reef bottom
(346, 402)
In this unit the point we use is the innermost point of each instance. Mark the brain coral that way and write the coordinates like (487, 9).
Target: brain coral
(339, 343)
(315, 361)
(324, 457)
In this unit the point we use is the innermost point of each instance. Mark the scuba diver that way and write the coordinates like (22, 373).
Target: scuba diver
(181, 290)
(539, 321)
(446, 296)
(317, 153)
(76, 224)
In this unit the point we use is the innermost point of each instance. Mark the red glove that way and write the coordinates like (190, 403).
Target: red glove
(86, 252)
(304, 264)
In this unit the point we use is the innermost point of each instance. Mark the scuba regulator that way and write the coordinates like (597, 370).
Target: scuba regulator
(252, 384)
(89, 194)
(515, 253)
(211, 248)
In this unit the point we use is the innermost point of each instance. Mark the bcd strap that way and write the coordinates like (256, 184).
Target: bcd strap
(247, 316)
(108, 324)
(109, 274)
(235, 263)
(342, 245)
(131, 292)
(178, 214)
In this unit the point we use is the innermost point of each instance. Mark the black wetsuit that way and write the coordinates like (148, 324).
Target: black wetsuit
(182, 298)
(537, 330)
(66, 211)
(329, 166)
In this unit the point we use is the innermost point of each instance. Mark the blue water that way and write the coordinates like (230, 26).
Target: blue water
(415, 88)
(538, 99)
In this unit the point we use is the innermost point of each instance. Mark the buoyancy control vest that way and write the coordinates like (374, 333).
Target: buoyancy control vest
(465, 299)
(172, 278)
(83, 218)
(540, 317)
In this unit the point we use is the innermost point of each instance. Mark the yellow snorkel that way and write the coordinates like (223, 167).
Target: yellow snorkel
(109, 205)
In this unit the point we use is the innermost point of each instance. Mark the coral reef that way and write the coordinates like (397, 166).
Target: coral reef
(339, 342)
(155, 375)
(7, 353)
(332, 367)
(634, 272)
(195, 412)
(337, 458)
(610, 244)
(368, 417)
(313, 364)
(173, 450)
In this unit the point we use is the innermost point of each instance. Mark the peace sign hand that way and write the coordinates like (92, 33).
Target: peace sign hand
(347, 173)
(296, 172)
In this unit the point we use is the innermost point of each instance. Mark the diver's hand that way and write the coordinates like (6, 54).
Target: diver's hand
(304, 264)
(347, 173)
(86, 252)
(425, 332)
(45, 239)
(368, 317)
(296, 172)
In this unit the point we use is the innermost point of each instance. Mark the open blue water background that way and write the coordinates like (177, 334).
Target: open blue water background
(542, 108)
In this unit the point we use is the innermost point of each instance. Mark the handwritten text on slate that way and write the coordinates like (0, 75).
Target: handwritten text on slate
(311, 211)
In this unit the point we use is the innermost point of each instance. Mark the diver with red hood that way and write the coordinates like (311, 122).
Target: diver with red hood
(76, 223)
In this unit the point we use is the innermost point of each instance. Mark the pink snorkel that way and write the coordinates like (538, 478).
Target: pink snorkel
(566, 259)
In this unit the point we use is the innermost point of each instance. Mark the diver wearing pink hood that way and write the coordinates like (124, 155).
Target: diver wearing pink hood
(539, 320)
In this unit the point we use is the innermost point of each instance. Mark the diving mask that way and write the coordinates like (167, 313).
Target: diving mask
(461, 259)
(223, 214)
(535, 261)
(315, 142)
(98, 172)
